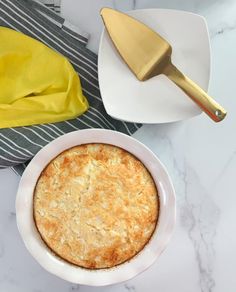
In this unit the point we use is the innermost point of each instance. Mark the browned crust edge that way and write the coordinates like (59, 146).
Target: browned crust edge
(104, 268)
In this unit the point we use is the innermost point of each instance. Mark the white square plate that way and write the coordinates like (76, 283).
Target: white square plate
(156, 100)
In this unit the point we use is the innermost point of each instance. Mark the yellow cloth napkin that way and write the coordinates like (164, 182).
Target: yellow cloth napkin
(37, 84)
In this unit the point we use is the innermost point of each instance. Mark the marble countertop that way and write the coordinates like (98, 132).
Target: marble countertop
(200, 157)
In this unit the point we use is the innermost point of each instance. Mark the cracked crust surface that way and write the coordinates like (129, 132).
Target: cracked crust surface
(95, 205)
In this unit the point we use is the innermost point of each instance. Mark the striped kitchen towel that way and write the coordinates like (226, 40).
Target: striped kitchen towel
(19, 145)
(54, 5)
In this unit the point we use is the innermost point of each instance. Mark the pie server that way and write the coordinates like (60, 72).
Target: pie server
(147, 54)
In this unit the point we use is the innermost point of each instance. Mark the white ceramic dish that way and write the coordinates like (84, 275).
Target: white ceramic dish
(156, 100)
(53, 264)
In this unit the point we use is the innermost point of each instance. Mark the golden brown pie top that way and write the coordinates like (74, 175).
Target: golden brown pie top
(95, 205)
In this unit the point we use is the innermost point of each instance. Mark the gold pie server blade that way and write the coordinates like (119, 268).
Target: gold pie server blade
(147, 54)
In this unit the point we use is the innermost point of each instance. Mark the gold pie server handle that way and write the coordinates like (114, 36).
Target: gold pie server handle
(215, 111)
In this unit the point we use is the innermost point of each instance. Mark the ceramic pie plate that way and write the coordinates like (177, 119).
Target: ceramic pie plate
(156, 100)
(65, 270)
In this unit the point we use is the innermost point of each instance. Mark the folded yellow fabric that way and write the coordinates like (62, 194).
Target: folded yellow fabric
(37, 84)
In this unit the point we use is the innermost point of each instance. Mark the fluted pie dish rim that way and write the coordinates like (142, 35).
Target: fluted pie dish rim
(98, 277)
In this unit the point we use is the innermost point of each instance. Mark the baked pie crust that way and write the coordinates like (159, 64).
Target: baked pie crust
(96, 205)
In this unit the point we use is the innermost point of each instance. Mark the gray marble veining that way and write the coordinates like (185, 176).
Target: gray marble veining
(200, 216)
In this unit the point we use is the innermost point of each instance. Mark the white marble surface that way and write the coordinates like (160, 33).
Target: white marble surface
(200, 157)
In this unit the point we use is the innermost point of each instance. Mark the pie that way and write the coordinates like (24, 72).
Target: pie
(96, 205)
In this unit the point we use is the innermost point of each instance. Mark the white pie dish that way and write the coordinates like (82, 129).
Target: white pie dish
(156, 100)
(65, 270)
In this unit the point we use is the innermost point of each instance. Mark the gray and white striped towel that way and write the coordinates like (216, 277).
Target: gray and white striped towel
(19, 145)
(54, 5)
